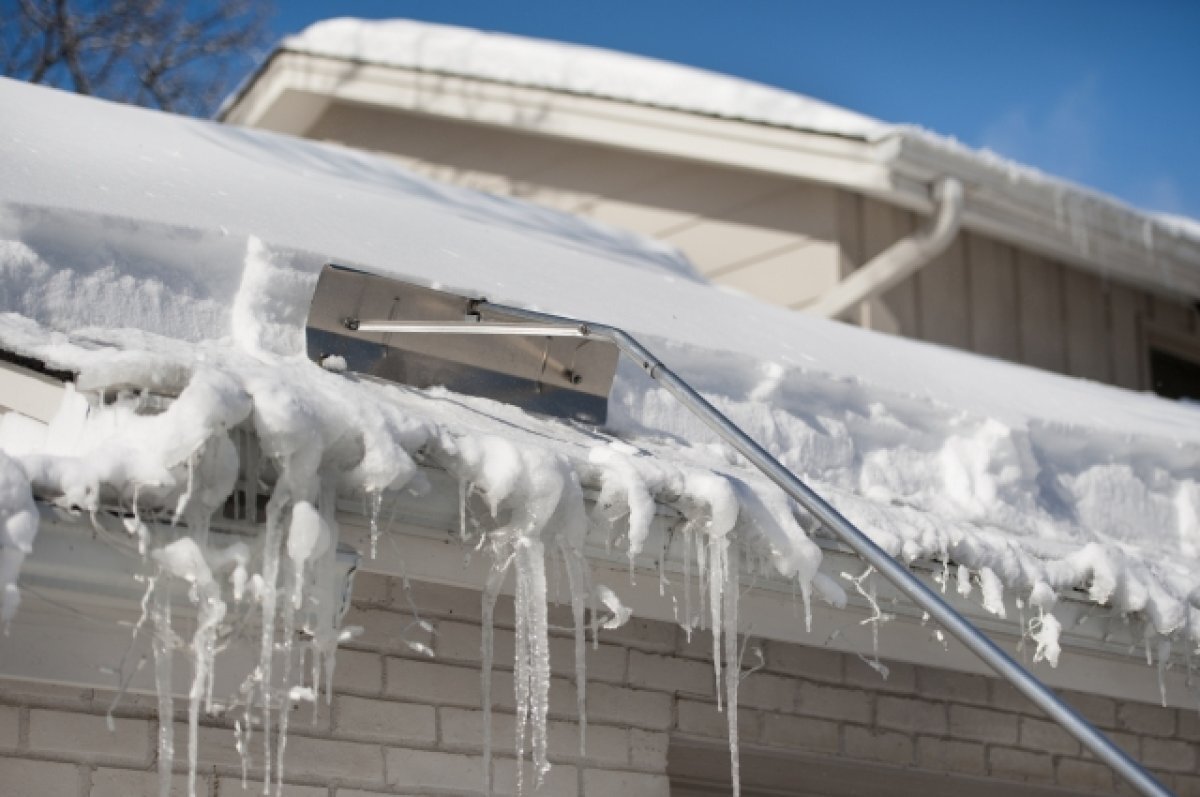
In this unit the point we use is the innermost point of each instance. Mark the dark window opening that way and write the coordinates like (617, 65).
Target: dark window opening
(1174, 376)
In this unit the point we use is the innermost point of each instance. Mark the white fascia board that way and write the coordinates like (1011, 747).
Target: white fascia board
(1086, 229)
(271, 103)
(29, 393)
(420, 541)
(777, 151)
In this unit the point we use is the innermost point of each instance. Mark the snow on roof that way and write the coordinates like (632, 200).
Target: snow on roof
(1180, 224)
(126, 218)
(574, 68)
(592, 71)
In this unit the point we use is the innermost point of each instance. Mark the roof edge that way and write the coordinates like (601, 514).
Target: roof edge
(1012, 202)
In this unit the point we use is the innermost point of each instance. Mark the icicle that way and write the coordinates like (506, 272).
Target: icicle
(241, 742)
(124, 679)
(877, 615)
(702, 564)
(687, 583)
(572, 524)
(376, 501)
(533, 486)
(309, 539)
(733, 674)
(491, 590)
(322, 625)
(992, 590)
(272, 543)
(578, 599)
(289, 633)
(964, 581)
(718, 574)
(185, 560)
(662, 565)
(806, 596)
(532, 665)
(463, 491)
(1164, 661)
(163, 645)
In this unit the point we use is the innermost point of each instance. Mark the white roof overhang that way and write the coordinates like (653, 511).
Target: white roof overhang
(1014, 204)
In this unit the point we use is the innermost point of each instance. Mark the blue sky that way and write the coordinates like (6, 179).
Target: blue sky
(1100, 92)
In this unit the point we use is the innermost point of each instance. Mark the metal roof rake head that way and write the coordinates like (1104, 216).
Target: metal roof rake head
(423, 337)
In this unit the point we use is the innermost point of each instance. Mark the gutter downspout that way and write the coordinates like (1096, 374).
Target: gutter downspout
(900, 260)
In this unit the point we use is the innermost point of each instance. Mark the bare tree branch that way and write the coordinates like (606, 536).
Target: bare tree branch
(181, 56)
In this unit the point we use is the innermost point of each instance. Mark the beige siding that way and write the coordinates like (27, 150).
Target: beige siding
(1127, 307)
(1087, 326)
(769, 236)
(993, 302)
(883, 225)
(1177, 318)
(1040, 313)
(989, 297)
(786, 241)
(944, 297)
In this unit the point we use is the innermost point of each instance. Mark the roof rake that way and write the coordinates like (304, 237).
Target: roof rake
(564, 367)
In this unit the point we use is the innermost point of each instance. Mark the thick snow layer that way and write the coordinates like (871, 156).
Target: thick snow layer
(578, 69)
(141, 220)
(141, 249)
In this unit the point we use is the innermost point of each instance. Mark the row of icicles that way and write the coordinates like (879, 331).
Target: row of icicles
(531, 516)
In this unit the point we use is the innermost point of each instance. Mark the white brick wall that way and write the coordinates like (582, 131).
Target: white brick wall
(401, 724)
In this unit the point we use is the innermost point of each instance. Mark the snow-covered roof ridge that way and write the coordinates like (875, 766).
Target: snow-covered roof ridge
(579, 69)
(597, 72)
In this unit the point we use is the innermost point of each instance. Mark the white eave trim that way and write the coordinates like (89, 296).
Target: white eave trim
(1050, 217)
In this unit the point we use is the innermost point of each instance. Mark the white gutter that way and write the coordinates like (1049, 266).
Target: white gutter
(900, 260)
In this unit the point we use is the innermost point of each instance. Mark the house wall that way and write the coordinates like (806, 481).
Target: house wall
(768, 236)
(403, 724)
(995, 299)
(787, 241)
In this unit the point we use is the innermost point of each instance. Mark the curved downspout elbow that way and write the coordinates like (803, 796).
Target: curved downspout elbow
(900, 260)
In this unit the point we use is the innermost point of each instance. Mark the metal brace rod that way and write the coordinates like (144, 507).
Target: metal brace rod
(895, 572)
(565, 330)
